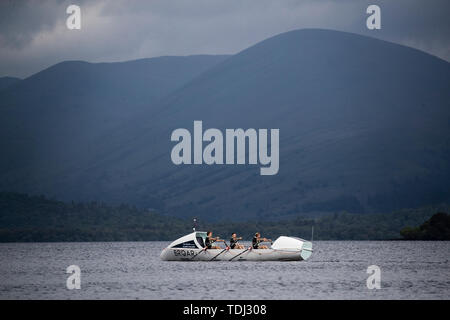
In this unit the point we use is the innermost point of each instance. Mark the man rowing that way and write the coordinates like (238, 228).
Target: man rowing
(257, 240)
(210, 240)
(234, 242)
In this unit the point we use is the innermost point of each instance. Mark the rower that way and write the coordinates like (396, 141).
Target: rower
(210, 240)
(257, 240)
(233, 242)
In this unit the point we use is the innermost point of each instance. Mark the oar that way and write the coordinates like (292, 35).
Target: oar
(220, 251)
(249, 248)
(204, 249)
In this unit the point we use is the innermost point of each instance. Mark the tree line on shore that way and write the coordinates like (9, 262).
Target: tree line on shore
(25, 218)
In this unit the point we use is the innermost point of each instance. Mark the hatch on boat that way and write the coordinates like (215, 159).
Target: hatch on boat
(194, 240)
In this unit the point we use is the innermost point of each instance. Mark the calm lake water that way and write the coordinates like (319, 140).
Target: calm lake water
(133, 270)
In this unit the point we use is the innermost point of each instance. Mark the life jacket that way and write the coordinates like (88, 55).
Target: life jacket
(255, 243)
(208, 243)
(232, 243)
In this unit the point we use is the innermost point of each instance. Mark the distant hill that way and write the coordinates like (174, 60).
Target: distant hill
(435, 228)
(25, 218)
(364, 127)
(6, 82)
(55, 117)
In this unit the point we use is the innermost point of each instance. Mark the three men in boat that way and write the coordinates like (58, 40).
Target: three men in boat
(257, 239)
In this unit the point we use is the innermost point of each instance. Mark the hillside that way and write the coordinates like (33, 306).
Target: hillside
(55, 117)
(6, 82)
(364, 127)
(25, 218)
(435, 228)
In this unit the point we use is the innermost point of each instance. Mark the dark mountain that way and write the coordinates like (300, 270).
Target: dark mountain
(364, 126)
(51, 118)
(6, 82)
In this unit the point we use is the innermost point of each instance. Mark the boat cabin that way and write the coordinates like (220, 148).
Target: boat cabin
(194, 240)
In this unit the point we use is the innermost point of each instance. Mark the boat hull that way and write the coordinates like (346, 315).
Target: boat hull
(191, 248)
(184, 254)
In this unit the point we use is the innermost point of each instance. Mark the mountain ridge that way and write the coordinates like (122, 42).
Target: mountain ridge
(362, 128)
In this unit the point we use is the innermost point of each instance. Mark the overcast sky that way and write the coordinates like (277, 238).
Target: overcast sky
(34, 36)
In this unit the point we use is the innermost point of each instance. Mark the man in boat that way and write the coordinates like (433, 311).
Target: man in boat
(210, 240)
(257, 240)
(233, 242)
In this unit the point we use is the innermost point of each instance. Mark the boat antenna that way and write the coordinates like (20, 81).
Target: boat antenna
(195, 224)
(312, 233)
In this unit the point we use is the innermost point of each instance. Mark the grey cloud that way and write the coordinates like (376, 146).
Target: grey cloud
(21, 20)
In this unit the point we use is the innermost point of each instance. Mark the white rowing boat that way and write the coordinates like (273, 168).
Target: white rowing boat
(191, 248)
